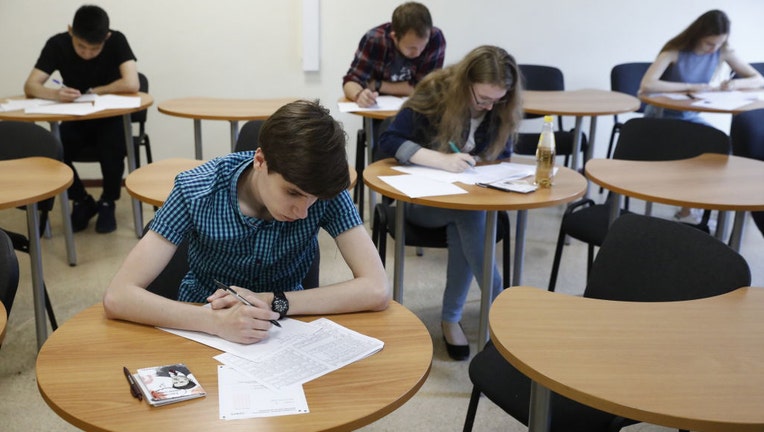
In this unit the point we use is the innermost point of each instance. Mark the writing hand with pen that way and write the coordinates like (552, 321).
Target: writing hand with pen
(66, 94)
(242, 319)
(457, 161)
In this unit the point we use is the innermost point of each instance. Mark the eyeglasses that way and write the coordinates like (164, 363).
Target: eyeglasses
(485, 104)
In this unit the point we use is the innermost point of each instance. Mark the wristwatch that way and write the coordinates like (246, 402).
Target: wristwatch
(280, 304)
(377, 85)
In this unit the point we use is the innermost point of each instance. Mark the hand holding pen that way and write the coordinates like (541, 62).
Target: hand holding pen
(66, 94)
(462, 159)
(231, 291)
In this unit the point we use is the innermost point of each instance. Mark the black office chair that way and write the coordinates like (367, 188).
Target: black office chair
(625, 78)
(747, 136)
(546, 78)
(25, 139)
(643, 259)
(9, 273)
(644, 139)
(89, 154)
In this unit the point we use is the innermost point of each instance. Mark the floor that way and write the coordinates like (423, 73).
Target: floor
(439, 405)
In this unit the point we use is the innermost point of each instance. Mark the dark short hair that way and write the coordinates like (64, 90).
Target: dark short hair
(302, 142)
(411, 16)
(91, 23)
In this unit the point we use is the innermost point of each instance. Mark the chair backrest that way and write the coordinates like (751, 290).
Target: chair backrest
(140, 116)
(650, 139)
(542, 78)
(747, 134)
(626, 77)
(9, 272)
(248, 136)
(650, 259)
(25, 139)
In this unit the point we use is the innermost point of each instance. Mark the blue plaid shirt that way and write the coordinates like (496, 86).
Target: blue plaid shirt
(235, 249)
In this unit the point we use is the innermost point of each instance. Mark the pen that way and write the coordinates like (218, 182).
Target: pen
(57, 82)
(455, 149)
(231, 291)
(134, 390)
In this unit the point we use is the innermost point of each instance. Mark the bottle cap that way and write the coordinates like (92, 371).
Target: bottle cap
(548, 118)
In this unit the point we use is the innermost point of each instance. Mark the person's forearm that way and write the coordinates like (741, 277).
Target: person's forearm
(352, 89)
(668, 86)
(118, 86)
(37, 90)
(748, 83)
(355, 295)
(396, 88)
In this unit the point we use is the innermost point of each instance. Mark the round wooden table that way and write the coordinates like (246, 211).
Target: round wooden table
(152, 183)
(661, 101)
(709, 181)
(3, 322)
(694, 365)
(79, 374)
(579, 103)
(25, 182)
(55, 119)
(231, 110)
(568, 185)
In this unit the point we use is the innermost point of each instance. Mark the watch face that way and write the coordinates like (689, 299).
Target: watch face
(280, 304)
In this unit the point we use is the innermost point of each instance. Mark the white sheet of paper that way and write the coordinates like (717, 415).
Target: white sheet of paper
(725, 100)
(110, 101)
(478, 174)
(384, 103)
(18, 104)
(328, 349)
(419, 186)
(64, 109)
(241, 397)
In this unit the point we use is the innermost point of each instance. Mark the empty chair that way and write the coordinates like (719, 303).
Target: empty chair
(642, 259)
(9, 272)
(248, 136)
(545, 78)
(645, 139)
(747, 135)
(625, 78)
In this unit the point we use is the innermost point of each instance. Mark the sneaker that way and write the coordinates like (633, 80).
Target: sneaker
(82, 212)
(106, 221)
(694, 218)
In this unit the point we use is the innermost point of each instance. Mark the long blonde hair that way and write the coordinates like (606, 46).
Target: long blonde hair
(444, 97)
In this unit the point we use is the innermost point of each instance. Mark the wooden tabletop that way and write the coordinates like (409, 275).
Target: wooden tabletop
(696, 365)
(586, 102)
(79, 374)
(568, 185)
(3, 321)
(687, 105)
(152, 183)
(709, 181)
(32, 179)
(20, 115)
(206, 108)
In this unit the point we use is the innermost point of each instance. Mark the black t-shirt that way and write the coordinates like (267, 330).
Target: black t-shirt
(58, 54)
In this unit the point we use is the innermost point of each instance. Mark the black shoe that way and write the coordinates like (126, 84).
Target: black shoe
(106, 221)
(82, 212)
(457, 352)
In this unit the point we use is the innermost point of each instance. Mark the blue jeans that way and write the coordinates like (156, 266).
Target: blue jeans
(465, 231)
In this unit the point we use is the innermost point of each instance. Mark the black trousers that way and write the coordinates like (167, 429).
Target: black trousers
(99, 140)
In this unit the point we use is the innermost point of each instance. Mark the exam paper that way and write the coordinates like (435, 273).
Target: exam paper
(72, 108)
(241, 397)
(420, 186)
(480, 174)
(384, 103)
(331, 347)
(19, 104)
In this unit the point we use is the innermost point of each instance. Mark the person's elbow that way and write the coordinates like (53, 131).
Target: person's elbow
(113, 304)
(380, 294)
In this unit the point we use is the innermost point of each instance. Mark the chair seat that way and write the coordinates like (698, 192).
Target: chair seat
(589, 224)
(508, 388)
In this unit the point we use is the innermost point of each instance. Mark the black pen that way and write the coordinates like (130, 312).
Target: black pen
(231, 291)
(134, 390)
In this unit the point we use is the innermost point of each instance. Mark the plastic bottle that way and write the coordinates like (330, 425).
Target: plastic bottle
(545, 154)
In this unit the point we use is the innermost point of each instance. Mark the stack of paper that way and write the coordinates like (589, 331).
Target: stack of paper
(83, 105)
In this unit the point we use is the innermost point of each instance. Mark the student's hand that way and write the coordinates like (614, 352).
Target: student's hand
(457, 162)
(727, 85)
(245, 324)
(67, 94)
(366, 98)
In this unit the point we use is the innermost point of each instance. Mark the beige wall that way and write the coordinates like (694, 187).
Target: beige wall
(251, 48)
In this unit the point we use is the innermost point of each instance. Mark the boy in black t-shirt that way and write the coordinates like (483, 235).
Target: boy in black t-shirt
(91, 58)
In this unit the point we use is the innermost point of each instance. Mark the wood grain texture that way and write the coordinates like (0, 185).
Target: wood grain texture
(33, 179)
(206, 108)
(19, 115)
